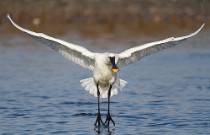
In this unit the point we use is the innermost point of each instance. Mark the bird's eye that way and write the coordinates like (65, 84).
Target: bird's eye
(111, 58)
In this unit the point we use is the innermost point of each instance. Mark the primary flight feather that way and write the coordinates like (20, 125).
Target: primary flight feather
(104, 82)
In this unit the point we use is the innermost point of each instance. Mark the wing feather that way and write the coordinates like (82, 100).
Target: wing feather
(136, 53)
(75, 53)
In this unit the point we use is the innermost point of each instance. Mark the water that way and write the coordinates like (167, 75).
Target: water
(40, 93)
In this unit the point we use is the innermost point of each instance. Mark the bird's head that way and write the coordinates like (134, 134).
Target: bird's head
(113, 61)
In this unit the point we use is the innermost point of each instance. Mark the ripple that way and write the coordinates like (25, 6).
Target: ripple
(111, 102)
(200, 99)
(131, 116)
(59, 132)
(3, 108)
(85, 114)
(160, 102)
(14, 115)
(42, 97)
(62, 122)
(77, 103)
(181, 125)
(160, 124)
(84, 103)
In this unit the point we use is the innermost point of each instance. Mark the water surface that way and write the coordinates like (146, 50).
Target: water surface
(167, 93)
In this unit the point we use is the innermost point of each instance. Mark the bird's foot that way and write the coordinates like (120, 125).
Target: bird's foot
(108, 119)
(99, 121)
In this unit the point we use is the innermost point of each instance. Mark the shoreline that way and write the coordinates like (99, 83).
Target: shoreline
(147, 17)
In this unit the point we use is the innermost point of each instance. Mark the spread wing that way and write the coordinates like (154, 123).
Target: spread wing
(77, 54)
(136, 53)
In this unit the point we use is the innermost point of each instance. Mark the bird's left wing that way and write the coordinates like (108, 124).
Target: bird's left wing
(77, 54)
(136, 53)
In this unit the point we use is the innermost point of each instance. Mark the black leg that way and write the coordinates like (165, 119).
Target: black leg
(98, 119)
(109, 118)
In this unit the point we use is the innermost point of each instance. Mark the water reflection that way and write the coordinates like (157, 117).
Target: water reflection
(100, 130)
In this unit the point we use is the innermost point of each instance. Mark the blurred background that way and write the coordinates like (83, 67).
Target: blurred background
(93, 17)
(167, 93)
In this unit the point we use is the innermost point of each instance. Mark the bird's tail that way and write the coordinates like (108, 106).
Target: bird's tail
(90, 86)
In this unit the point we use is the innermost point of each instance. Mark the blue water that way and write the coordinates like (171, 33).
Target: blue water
(167, 93)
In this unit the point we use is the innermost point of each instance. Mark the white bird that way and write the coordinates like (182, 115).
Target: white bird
(104, 82)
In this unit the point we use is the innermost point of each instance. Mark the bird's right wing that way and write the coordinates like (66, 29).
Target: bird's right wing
(136, 53)
(77, 54)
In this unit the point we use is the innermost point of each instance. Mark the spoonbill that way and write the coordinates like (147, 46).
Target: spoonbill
(105, 66)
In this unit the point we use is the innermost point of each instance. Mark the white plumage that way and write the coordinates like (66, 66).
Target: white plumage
(90, 86)
(103, 73)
